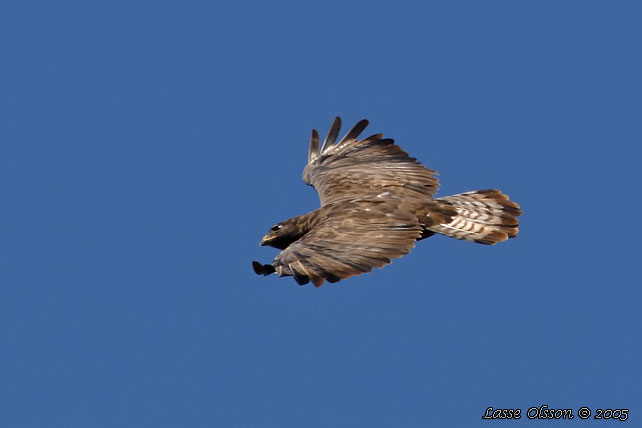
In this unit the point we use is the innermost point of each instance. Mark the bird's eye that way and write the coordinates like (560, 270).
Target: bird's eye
(276, 227)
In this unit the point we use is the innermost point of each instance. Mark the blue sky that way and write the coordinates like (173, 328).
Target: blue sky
(146, 147)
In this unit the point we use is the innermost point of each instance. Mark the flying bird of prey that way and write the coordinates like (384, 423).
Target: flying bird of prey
(376, 202)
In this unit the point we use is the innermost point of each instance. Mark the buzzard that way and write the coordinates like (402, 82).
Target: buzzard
(376, 202)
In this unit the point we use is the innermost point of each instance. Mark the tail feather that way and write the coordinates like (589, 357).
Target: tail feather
(483, 216)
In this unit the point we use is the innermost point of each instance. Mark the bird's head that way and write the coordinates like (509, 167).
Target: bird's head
(283, 234)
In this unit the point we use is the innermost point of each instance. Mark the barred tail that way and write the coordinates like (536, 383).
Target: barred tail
(484, 216)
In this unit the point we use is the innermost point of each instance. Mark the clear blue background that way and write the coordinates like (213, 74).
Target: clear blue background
(147, 146)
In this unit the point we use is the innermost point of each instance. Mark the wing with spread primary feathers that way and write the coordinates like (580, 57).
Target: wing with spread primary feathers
(354, 168)
(349, 241)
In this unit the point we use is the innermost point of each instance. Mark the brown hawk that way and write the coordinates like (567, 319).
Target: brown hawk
(376, 201)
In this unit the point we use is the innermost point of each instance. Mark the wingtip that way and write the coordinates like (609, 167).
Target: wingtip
(332, 135)
(353, 134)
(313, 153)
(258, 268)
(261, 269)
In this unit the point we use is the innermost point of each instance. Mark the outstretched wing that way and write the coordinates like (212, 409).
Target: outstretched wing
(354, 168)
(349, 241)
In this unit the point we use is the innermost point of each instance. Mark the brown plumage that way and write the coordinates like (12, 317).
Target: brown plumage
(376, 202)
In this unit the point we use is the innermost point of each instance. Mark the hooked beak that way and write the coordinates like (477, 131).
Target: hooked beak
(266, 239)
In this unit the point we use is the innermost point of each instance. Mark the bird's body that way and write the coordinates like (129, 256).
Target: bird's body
(376, 202)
